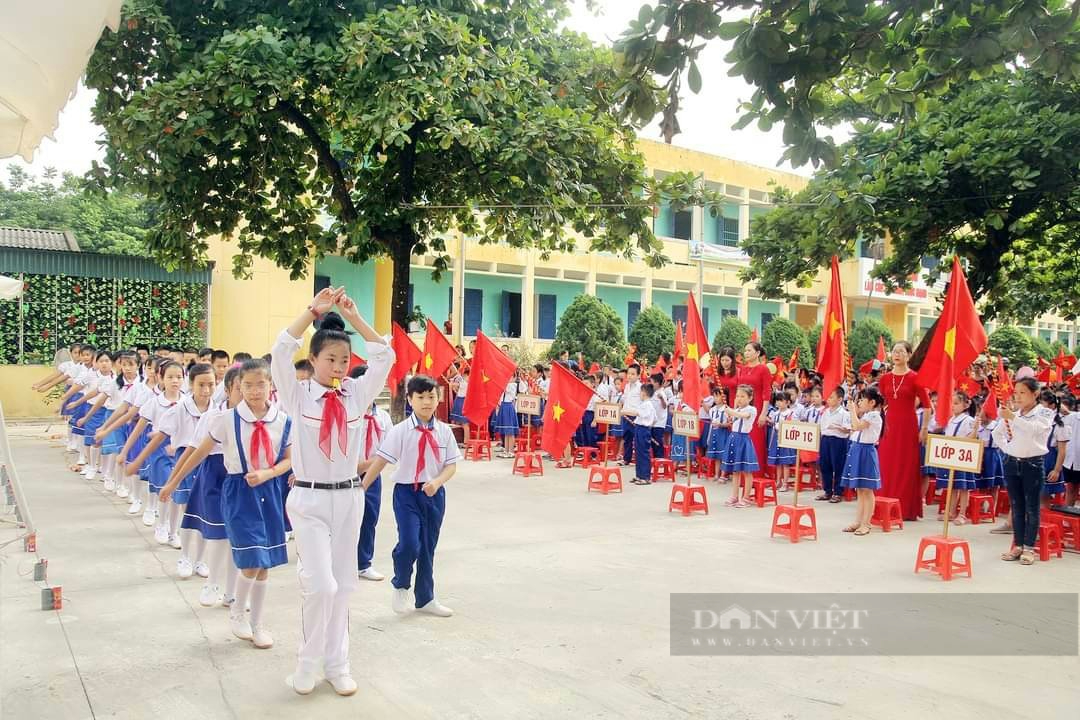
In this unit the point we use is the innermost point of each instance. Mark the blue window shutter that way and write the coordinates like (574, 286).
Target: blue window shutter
(505, 319)
(679, 313)
(633, 307)
(705, 320)
(545, 309)
(473, 311)
(409, 299)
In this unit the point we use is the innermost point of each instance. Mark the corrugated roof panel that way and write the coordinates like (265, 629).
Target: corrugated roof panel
(38, 239)
(78, 264)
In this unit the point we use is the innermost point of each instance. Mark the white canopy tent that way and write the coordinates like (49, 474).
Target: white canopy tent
(44, 48)
(10, 288)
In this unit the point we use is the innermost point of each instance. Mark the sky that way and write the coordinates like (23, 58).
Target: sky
(706, 119)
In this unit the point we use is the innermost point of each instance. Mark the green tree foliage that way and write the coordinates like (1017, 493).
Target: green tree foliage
(813, 336)
(368, 128)
(988, 173)
(653, 333)
(862, 341)
(829, 61)
(733, 332)
(781, 337)
(591, 327)
(1042, 348)
(1013, 344)
(115, 222)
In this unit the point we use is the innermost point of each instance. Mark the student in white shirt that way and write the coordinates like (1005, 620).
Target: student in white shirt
(661, 400)
(862, 470)
(425, 455)
(835, 423)
(376, 425)
(1071, 468)
(631, 401)
(644, 420)
(1022, 435)
(326, 505)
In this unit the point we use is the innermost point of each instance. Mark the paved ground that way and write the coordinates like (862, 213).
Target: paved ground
(562, 611)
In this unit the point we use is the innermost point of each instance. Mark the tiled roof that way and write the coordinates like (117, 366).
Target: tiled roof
(38, 239)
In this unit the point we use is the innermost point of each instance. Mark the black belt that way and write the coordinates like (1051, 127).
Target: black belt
(343, 485)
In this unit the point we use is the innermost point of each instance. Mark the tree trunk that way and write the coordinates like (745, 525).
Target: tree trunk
(399, 301)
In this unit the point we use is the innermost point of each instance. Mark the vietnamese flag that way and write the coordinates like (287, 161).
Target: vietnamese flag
(438, 352)
(754, 336)
(793, 363)
(832, 360)
(1064, 362)
(697, 356)
(680, 344)
(406, 356)
(355, 361)
(880, 348)
(567, 400)
(958, 340)
(491, 373)
(1001, 389)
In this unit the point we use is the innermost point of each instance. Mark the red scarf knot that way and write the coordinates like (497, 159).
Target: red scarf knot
(333, 415)
(260, 440)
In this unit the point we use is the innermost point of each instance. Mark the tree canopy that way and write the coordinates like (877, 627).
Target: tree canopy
(652, 333)
(989, 173)
(369, 128)
(593, 328)
(115, 222)
(862, 341)
(831, 61)
(781, 337)
(733, 333)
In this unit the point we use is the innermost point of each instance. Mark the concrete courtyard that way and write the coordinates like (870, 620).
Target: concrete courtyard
(561, 601)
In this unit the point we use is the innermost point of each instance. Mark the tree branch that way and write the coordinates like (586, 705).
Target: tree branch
(340, 186)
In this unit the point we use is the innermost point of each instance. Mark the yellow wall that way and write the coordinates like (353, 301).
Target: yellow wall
(671, 158)
(246, 315)
(18, 399)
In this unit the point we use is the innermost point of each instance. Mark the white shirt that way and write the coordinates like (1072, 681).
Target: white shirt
(835, 423)
(744, 425)
(220, 396)
(402, 443)
(511, 392)
(872, 434)
(986, 432)
(631, 397)
(222, 429)
(116, 395)
(1060, 433)
(960, 426)
(179, 423)
(809, 413)
(718, 416)
(1030, 433)
(202, 430)
(303, 401)
(706, 406)
(1072, 450)
(662, 400)
(463, 387)
(153, 410)
(383, 423)
(646, 413)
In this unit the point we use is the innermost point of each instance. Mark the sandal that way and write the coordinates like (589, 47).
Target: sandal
(1001, 530)
(731, 502)
(852, 527)
(823, 496)
(1027, 558)
(1013, 555)
(836, 499)
(863, 530)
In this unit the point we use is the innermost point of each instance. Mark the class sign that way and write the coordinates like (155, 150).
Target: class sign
(528, 404)
(954, 453)
(607, 413)
(685, 424)
(799, 435)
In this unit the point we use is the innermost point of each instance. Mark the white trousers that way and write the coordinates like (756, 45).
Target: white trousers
(326, 528)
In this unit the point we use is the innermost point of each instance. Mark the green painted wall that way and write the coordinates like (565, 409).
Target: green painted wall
(618, 298)
(359, 282)
(432, 297)
(756, 307)
(863, 312)
(666, 299)
(717, 305)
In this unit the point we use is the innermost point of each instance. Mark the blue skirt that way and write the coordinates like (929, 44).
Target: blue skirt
(67, 409)
(740, 455)
(114, 441)
(139, 445)
(535, 420)
(457, 415)
(182, 494)
(927, 471)
(75, 414)
(161, 466)
(861, 469)
(615, 430)
(993, 473)
(506, 420)
(254, 522)
(95, 423)
(961, 480)
(678, 448)
(1053, 488)
(777, 455)
(717, 442)
(203, 512)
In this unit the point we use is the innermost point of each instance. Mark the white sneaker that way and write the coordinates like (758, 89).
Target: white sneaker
(436, 609)
(202, 570)
(148, 517)
(174, 542)
(110, 485)
(183, 568)
(89, 473)
(135, 508)
(261, 637)
(228, 602)
(288, 536)
(210, 595)
(240, 626)
(122, 491)
(343, 684)
(161, 534)
(400, 601)
(370, 573)
(303, 681)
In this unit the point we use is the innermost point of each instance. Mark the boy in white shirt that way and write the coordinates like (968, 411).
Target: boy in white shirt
(426, 455)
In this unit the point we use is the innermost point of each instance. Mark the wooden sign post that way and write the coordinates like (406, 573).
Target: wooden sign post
(607, 414)
(953, 454)
(688, 425)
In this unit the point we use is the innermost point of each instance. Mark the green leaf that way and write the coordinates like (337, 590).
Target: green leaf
(694, 78)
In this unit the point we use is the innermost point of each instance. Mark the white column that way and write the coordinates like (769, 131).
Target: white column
(744, 214)
(784, 311)
(646, 289)
(528, 299)
(457, 315)
(744, 304)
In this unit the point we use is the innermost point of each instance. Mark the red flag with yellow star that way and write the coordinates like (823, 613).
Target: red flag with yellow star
(567, 400)
(832, 359)
(680, 344)
(406, 354)
(438, 352)
(958, 340)
(697, 356)
(491, 372)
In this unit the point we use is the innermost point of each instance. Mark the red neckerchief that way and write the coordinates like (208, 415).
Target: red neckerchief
(260, 440)
(372, 427)
(427, 437)
(333, 415)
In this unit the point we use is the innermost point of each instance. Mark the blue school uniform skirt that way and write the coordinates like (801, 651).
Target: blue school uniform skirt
(927, 471)
(203, 512)
(182, 494)
(616, 430)
(993, 472)
(678, 448)
(95, 423)
(161, 465)
(114, 441)
(740, 455)
(717, 442)
(75, 414)
(535, 420)
(139, 445)
(779, 456)
(1049, 461)
(506, 419)
(961, 480)
(861, 470)
(457, 411)
(254, 522)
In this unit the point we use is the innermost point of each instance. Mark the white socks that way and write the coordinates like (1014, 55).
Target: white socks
(258, 597)
(243, 592)
(192, 542)
(173, 518)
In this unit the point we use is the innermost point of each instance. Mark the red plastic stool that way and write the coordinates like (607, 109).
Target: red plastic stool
(815, 479)
(1070, 528)
(528, 463)
(688, 499)
(981, 506)
(933, 495)
(522, 444)
(477, 449)
(537, 438)
(887, 513)
(1002, 497)
(1048, 540)
(706, 469)
(586, 456)
(605, 479)
(794, 528)
(662, 469)
(942, 562)
(479, 433)
(849, 494)
(759, 496)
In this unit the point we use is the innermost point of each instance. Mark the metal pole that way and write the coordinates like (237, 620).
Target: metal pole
(459, 331)
(22, 318)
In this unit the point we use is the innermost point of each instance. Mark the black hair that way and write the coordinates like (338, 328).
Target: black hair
(420, 384)
(218, 355)
(331, 330)
(120, 382)
(306, 366)
(748, 389)
(267, 357)
(232, 375)
(728, 351)
(241, 357)
(906, 344)
(190, 351)
(164, 365)
(758, 348)
(1050, 397)
(206, 351)
(648, 389)
(99, 353)
(838, 391)
(657, 378)
(779, 395)
(86, 347)
(142, 346)
(197, 369)
(968, 399)
(357, 372)
(255, 365)
(871, 393)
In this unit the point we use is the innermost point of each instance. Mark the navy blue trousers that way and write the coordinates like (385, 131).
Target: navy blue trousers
(419, 519)
(365, 549)
(831, 457)
(643, 439)
(629, 430)
(657, 445)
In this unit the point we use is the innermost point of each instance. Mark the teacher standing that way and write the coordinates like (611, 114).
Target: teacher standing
(754, 373)
(899, 451)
